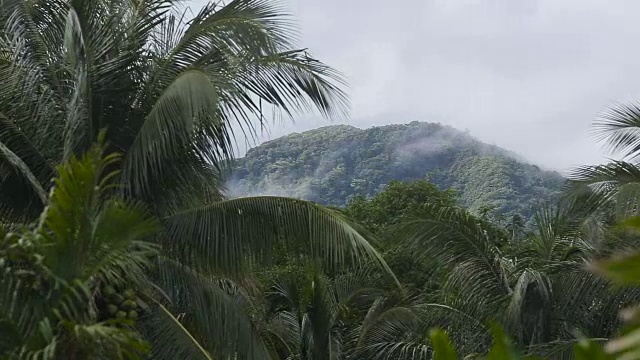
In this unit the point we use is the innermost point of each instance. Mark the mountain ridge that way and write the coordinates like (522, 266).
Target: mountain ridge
(334, 163)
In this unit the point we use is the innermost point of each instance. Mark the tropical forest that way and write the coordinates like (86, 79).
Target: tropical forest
(132, 228)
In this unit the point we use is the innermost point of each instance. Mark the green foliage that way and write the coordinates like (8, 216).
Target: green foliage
(52, 270)
(442, 347)
(589, 350)
(140, 255)
(620, 269)
(533, 284)
(348, 316)
(170, 88)
(623, 269)
(615, 186)
(397, 203)
(472, 274)
(334, 164)
(501, 349)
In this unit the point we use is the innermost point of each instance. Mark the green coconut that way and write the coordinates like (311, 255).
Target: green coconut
(129, 294)
(117, 299)
(112, 309)
(109, 290)
(129, 304)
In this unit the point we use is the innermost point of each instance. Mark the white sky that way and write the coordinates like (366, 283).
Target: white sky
(527, 75)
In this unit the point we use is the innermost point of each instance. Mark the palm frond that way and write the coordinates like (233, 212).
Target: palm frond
(22, 170)
(462, 243)
(387, 331)
(78, 129)
(619, 128)
(51, 270)
(225, 235)
(193, 183)
(605, 177)
(169, 336)
(18, 142)
(612, 185)
(529, 307)
(315, 84)
(247, 49)
(169, 128)
(211, 317)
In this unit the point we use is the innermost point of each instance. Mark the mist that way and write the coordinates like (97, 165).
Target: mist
(530, 76)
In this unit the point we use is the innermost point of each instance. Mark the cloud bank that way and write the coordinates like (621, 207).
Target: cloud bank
(526, 75)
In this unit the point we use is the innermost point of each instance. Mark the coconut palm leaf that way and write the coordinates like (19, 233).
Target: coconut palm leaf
(530, 306)
(86, 232)
(224, 235)
(467, 246)
(21, 170)
(390, 329)
(175, 341)
(24, 174)
(210, 318)
(398, 329)
(613, 183)
(309, 316)
(303, 315)
(169, 126)
(617, 181)
(619, 128)
(231, 46)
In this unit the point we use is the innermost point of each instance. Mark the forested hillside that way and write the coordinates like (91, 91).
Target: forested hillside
(332, 164)
(115, 241)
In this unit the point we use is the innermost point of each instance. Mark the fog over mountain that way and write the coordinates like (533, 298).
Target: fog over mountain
(332, 165)
(527, 75)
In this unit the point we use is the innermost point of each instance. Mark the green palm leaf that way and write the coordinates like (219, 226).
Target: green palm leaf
(22, 170)
(467, 246)
(211, 318)
(223, 236)
(169, 127)
(172, 339)
(24, 173)
(619, 127)
(616, 183)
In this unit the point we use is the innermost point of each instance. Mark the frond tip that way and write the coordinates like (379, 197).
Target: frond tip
(619, 128)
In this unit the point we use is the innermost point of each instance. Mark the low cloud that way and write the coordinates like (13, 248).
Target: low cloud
(527, 75)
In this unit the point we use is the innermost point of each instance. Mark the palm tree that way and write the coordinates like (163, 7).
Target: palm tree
(305, 319)
(307, 315)
(53, 273)
(168, 88)
(540, 291)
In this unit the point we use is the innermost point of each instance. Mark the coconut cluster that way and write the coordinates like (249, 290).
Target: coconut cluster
(18, 256)
(120, 304)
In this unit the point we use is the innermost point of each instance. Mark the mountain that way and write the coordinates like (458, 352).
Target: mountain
(332, 164)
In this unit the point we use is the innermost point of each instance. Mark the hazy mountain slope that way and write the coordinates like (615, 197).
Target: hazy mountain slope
(331, 164)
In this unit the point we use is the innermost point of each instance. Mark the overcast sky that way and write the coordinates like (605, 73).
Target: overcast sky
(527, 75)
